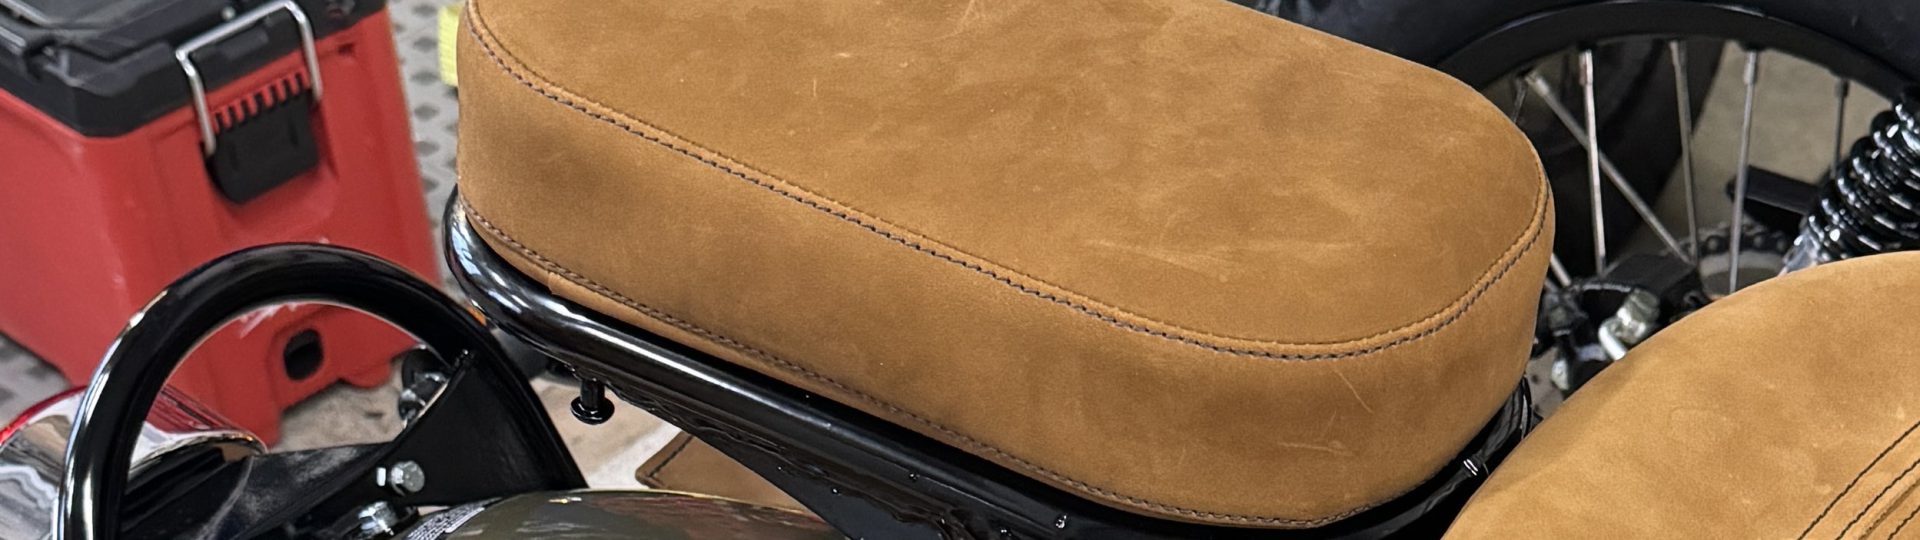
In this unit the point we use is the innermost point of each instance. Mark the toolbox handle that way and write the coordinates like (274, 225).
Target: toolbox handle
(184, 55)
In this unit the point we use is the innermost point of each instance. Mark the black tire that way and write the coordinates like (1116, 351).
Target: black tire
(1427, 31)
(1636, 112)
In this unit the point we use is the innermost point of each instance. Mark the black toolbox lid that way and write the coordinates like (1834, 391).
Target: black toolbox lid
(105, 67)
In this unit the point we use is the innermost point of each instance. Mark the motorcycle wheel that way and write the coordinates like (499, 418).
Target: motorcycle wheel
(1517, 49)
(1486, 43)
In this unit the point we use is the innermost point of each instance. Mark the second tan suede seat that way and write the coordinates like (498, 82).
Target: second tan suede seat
(1788, 410)
(1174, 256)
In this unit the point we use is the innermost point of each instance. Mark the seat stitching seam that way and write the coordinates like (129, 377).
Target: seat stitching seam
(1903, 522)
(654, 474)
(784, 364)
(1448, 315)
(1856, 480)
(1877, 496)
(1906, 496)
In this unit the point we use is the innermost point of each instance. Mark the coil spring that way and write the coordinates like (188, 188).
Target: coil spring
(1871, 206)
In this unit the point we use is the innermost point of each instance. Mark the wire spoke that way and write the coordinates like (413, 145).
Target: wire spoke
(1593, 165)
(1540, 86)
(1683, 95)
(1560, 273)
(1752, 80)
(1840, 91)
(1519, 101)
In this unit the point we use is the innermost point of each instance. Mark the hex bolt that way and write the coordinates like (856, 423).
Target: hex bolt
(403, 478)
(378, 521)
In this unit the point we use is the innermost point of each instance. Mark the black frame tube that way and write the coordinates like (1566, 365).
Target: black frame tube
(866, 476)
(161, 336)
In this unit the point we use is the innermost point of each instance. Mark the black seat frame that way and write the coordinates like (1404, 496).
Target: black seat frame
(866, 476)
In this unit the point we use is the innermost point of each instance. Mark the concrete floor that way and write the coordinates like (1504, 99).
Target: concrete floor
(609, 453)
(1792, 134)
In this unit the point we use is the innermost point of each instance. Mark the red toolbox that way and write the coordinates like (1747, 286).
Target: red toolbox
(142, 138)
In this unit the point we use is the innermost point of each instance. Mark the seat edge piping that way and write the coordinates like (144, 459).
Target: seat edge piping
(965, 441)
(1119, 318)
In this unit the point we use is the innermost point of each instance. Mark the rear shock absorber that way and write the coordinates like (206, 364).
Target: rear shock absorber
(1873, 204)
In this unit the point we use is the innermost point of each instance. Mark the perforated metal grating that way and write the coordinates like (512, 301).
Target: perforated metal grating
(24, 380)
(431, 103)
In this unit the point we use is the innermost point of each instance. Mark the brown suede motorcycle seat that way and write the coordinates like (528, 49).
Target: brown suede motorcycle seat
(1172, 255)
(1788, 410)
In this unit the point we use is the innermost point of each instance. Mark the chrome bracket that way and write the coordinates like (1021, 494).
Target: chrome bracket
(184, 55)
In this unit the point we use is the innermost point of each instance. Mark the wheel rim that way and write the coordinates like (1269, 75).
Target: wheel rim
(1518, 59)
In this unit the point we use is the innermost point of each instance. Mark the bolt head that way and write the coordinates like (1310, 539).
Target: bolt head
(591, 415)
(404, 478)
(377, 520)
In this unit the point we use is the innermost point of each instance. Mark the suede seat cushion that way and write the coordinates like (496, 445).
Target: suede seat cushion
(1787, 410)
(1171, 255)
